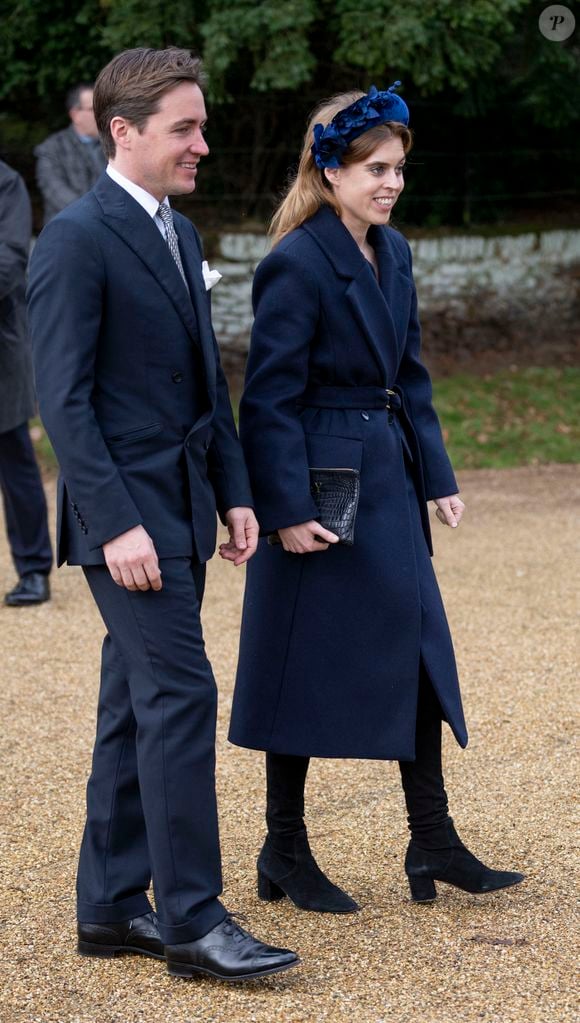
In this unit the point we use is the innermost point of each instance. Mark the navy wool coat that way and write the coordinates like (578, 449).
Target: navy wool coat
(332, 641)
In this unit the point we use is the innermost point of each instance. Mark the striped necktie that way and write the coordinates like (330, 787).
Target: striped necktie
(166, 215)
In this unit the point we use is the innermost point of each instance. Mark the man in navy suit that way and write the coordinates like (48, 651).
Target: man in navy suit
(135, 402)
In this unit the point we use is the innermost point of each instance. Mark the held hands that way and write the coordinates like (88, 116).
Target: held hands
(301, 539)
(132, 560)
(243, 529)
(450, 510)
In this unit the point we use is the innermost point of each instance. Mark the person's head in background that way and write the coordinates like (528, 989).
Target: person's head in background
(79, 105)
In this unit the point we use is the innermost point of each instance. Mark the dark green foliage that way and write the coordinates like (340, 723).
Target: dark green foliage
(286, 44)
(481, 81)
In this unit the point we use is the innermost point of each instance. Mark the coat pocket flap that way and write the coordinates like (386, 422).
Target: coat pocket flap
(330, 452)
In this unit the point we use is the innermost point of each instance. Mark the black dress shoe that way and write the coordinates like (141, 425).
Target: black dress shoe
(228, 952)
(451, 862)
(33, 588)
(107, 940)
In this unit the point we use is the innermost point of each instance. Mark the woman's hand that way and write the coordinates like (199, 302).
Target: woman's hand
(450, 510)
(300, 539)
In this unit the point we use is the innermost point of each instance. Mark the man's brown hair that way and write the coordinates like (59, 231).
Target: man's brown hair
(133, 82)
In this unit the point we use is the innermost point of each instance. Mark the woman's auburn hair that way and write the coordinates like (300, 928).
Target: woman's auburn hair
(310, 189)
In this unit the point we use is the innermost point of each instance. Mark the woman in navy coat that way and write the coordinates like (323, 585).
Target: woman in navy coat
(345, 650)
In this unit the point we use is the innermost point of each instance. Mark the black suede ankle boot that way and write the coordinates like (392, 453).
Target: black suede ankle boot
(289, 868)
(441, 856)
(286, 865)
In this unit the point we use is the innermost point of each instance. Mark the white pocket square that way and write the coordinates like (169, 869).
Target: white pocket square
(210, 277)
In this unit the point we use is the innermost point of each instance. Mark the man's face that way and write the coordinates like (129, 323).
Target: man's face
(163, 158)
(82, 115)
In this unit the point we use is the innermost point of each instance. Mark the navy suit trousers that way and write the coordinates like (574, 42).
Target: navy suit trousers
(151, 805)
(24, 503)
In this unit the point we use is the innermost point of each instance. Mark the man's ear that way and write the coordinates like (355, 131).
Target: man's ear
(122, 131)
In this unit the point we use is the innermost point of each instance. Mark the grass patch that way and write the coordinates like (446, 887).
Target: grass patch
(525, 417)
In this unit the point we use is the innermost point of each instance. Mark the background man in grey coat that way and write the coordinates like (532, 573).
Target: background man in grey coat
(69, 162)
(22, 493)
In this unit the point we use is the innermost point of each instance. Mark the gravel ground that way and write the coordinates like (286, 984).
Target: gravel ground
(509, 583)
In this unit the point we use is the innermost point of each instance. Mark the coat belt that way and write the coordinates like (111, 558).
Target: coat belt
(323, 396)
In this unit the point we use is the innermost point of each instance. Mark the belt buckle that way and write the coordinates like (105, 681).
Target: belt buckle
(388, 405)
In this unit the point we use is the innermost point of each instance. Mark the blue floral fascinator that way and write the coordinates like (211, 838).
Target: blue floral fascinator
(367, 112)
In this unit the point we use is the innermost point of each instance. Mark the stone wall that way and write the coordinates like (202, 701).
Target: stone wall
(484, 302)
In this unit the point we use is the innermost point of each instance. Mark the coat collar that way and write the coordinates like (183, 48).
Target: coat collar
(381, 307)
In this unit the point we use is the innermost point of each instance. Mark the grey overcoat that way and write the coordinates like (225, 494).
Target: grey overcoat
(66, 168)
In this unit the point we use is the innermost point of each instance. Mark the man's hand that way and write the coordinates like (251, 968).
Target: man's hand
(132, 560)
(243, 529)
(450, 510)
(301, 539)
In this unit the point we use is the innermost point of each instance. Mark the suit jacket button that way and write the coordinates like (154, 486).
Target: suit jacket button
(177, 377)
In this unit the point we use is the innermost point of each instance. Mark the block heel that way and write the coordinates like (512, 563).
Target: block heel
(299, 877)
(448, 860)
(268, 891)
(422, 889)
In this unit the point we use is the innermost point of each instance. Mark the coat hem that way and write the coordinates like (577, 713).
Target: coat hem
(300, 751)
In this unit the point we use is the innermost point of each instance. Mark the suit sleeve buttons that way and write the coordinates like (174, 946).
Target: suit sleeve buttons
(364, 415)
(177, 377)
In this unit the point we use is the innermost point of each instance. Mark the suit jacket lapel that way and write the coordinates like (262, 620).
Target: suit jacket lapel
(129, 221)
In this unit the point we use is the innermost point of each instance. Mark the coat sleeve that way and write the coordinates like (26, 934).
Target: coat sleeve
(416, 384)
(65, 295)
(286, 309)
(15, 232)
(226, 467)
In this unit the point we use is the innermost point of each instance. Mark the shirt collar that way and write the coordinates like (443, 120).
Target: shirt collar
(149, 203)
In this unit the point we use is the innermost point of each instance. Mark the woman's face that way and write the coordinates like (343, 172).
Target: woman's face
(368, 190)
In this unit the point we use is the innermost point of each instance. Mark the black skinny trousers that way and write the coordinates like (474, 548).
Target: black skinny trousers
(422, 778)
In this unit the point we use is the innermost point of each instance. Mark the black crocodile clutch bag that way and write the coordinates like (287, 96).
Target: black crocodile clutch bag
(336, 493)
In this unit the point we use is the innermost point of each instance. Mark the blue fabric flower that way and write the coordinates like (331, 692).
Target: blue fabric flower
(367, 112)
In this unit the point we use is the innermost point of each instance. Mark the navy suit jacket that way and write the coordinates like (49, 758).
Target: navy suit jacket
(130, 386)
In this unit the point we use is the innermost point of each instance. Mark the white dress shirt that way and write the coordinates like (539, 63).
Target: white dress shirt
(149, 203)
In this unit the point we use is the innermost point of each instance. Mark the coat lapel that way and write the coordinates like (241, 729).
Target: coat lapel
(395, 285)
(380, 308)
(129, 221)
